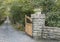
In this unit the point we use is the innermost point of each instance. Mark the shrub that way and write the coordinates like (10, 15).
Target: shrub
(53, 19)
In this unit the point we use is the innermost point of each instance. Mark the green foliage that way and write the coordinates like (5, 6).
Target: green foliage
(47, 5)
(53, 19)
(36, 3)
(2, 12)
(20, 9)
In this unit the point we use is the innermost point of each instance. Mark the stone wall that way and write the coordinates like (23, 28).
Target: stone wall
(51, 32)
(38, 22)
(39, 30)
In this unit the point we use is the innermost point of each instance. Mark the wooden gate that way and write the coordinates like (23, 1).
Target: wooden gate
(28, 25)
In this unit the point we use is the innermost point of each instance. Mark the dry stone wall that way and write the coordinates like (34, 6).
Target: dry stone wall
(39, 30)
(52, 33)
(38, 21)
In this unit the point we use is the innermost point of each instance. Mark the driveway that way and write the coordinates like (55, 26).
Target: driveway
(9, 34)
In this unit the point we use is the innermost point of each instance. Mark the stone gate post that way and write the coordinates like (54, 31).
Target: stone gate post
(38, 22)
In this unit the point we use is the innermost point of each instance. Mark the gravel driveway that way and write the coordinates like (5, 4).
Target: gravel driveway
(9, 34)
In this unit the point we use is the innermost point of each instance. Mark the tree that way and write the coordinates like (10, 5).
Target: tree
(19, 9)
(2, 12)
(47, 5)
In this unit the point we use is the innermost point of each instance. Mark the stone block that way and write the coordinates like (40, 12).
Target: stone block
(38, 15)
(34, 34)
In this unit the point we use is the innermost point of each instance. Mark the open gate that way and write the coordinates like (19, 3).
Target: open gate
(28, 25)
